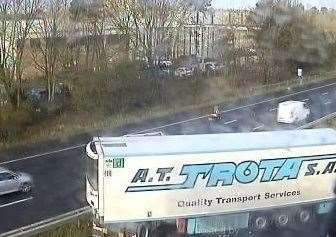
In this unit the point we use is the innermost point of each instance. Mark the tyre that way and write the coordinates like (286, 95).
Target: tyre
(144, 231)
(260, 222)
(26, 187)
(282, 219)
(305, 216)
(167, 230)
(304, 219)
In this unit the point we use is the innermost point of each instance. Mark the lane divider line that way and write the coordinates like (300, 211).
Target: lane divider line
(261, 126)
(16, 202)
(230, 122)
(43, 154)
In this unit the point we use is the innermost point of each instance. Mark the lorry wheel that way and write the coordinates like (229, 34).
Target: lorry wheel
(282, 219)
(143, 231)
(260, 222)
(305, 216)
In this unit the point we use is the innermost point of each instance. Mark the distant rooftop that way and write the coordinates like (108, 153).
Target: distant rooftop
(184, 144)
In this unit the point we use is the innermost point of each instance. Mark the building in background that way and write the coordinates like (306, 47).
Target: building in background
(205, 35)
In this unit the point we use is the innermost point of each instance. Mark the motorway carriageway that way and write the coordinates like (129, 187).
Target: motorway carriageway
(59, 174)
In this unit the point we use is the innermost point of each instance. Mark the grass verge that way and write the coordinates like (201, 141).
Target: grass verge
(78, 228)
(329, 123)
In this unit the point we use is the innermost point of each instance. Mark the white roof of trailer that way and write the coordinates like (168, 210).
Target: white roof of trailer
(208, 143)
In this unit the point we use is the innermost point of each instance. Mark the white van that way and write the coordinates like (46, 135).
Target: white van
(292, 112)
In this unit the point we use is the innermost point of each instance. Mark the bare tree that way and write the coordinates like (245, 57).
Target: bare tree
(120, 16)
(49, 41)
(285, 39)
(151, 25)
(16, 21)
(96, 34)
(89, 18)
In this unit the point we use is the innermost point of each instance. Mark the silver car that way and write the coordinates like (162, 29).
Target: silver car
(14, 182)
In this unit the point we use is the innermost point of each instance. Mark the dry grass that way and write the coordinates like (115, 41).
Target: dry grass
(330, 123)
(79, 228)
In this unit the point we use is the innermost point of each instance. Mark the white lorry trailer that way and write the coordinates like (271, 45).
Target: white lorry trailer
(212, 183)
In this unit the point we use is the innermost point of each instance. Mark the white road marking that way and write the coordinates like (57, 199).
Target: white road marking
(327, 103)
(16, 202)
(256, 128)
(167, 125)
(43, 154)
(40, 226)
(230, 122)
(308, 125)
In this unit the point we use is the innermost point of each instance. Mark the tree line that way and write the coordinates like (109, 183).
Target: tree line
(57, 31)
(62, 35)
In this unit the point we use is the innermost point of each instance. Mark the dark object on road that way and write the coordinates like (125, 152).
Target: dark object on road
(216, 115)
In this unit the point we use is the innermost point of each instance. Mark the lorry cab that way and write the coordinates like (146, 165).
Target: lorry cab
(292, 112)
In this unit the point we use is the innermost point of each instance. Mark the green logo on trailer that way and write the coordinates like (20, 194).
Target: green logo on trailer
(118, 163)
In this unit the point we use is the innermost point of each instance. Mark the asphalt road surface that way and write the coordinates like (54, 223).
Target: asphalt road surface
(59, 173)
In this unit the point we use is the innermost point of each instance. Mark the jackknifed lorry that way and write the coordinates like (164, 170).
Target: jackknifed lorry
(211, 183)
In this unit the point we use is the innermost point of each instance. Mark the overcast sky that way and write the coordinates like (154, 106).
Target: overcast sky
(251, 3)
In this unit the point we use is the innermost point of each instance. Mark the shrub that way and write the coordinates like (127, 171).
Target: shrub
(114, 92)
